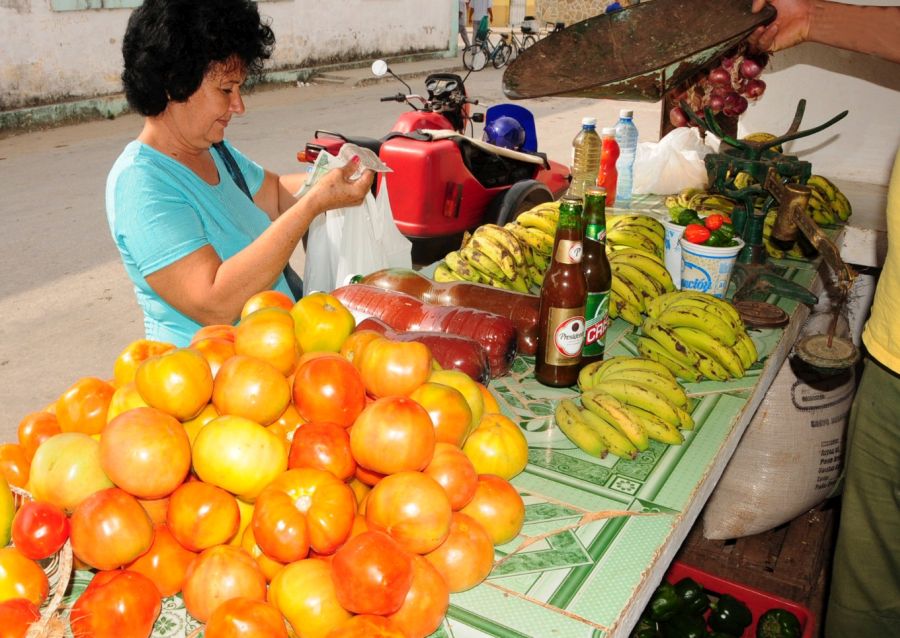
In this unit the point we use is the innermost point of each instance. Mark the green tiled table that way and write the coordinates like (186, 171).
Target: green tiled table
(599, 534)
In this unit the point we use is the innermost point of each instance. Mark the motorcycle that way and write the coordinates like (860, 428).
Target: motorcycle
(445, 182)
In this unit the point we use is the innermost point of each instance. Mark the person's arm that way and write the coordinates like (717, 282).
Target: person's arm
(210, 291)
(276, 194)
(865, 29)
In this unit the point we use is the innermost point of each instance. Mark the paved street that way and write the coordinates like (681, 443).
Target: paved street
(66, 306)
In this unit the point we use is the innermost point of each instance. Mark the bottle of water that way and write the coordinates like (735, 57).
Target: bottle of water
(585, 157)
(627, 137)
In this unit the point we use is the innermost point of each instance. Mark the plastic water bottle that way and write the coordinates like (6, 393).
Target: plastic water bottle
(627, 137)
(585, 157)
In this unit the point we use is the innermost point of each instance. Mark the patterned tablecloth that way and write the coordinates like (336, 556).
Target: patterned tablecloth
(598, 534)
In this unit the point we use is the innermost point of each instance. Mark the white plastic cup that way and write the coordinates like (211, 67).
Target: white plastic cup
(673, 250)
(707, 268)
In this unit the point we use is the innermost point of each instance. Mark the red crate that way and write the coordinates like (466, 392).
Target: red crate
(758, 601)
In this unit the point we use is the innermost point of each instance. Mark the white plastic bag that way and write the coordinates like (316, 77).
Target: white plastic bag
(673, 163)
(354, 241)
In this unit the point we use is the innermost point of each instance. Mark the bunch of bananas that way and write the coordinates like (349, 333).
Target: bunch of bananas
(696, 335)
(827, 204)
(771, 249)
(626, 402)
(514, 256)
(704, 202)
(638, 271)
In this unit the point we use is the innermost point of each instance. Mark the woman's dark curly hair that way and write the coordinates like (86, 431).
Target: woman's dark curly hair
(169, 46)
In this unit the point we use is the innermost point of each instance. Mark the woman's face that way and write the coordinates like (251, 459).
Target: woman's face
(201, 120)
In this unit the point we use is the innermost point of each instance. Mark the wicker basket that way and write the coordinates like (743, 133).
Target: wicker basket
(59, 570)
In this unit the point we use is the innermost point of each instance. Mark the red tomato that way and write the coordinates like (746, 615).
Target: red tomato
(216, 351)
(304, 593)
(393, 434)
(466, 557)
(201, 515)
(165, 563)
(372, 574)
(268, 566)
(219, 574)
(34, 429)
(325, 446)
(115, 604)
(14, 464)
(266, 299)
(110, 529)
(498, 507)
(268, 334)
(146, 452)
(391, 368)
(453, 471)
(178, 382)
(82, 408)
(301, 509)
(696, 233)
(367, 626)
(39, 529)
(412, 508)
(328, 388)
(449, 411)
(367, 477)
(245, 618)
(21, 577)
(426, 603)
(16, 616)
(133, 355)
(251, 388)
(714, 222)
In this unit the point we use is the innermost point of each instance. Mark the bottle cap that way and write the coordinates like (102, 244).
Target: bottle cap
(589, 121)
(608, 130)
(626, 113)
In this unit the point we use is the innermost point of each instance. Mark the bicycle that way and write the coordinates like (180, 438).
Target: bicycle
(476, 56)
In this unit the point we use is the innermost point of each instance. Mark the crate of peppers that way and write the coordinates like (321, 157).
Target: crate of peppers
(691, 603)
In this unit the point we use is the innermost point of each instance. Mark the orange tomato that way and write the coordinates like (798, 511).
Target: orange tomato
(126, 364)
(251, 388)
(178, 382)
(21, 577)
(201, 516)
(16, 616)
(469, 389)
(266, 299)
(268, 334)
(110, 529)
(360, 489)
(146, 452)
(490, 401)
(412, 508)
(286, 425)
(367, 626)
(321, 322)
(372, 574)
(426, 602)
(267, 566)
(390, 368)
(449, 411)
(393, 434)
(325, 446)
(245, 618)
(14, 464)
(156, 509)
(34, 429)
(193, 426)
(455, 473)
(165, 563)
(83, 407)
(116, 603)
(328, 388)
(304, 593)
(217, 330)
(497, 446)
(221, 573)
(66, 469)
(367, 477)
(216, 351)
(354, 345)
(466, 557)
(302, 509)
(126, 397)
(498, 507)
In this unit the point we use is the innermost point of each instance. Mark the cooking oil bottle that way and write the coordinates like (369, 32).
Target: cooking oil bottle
(585, 157)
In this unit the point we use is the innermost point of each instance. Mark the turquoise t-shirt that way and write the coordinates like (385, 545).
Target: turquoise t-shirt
(160, 211)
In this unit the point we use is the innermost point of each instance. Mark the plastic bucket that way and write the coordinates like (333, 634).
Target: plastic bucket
(673, 250)
(707, 268)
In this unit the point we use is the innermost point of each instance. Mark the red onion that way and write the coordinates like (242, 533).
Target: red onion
(719, 77)
(727, 63)
(677, 117)
(734, 105)
(754, 88)
(750, 68)
(716, 102)
(720, 91)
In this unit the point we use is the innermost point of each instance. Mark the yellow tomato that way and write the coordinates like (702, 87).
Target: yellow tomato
(133, 355)
(322, 323)
(304, 594)
(178, 382)
(126, 397)
(469, 388)
(7, 510)
(497, 446)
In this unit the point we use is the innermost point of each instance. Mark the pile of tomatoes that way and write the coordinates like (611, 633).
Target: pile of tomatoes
(288, 470)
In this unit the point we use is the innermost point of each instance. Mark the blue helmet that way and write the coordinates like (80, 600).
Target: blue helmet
(505, 132)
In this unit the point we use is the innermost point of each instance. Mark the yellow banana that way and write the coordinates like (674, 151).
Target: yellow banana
(539, 222)
(746, 350)
(650, 266)
(687, 421)
(536, 276)
(823, 184)
(623, 362)
(506, 239)
(462, 268)
(718, 304)
(718, 310)
(701, 319)
(624, 290)
(654, 351)
(656, 428)
(675, 346)
(482, 263)
(443, 274)
(665, 385)
(640, 282)
(646, 397)
(616, 442)
(841, 206)
(711, 369)
(707, 343)
(587, 438)
(633, 239)
(611, 410)
(541, 262)
(613, 250)
(497, 253)
(619, 307)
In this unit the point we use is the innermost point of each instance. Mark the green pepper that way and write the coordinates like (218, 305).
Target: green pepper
(685, 626)
(693, 598)
(719, 238)
(730, 615)
(665, 602)
(778, 623)
(685, 216)
(645, 628)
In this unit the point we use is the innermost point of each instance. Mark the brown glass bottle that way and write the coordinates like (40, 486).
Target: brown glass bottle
(597, 274)
(561, 326)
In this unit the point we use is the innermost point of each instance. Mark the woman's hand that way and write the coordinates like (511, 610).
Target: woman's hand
(790, 27)
(336, 189)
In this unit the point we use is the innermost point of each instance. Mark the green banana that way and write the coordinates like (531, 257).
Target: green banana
(611, 410)
(443, 274)
(746, 350)
(823, 184)
(536, 276)
(655, 352)
(709, 344)
(640, 395)
(462, 268)
(656, 428)
(841, 206)
(616, 442)
(701, 319)
(587, 438)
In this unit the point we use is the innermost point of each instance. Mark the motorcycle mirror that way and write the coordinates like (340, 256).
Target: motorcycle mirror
(380, 68)
(478, 117)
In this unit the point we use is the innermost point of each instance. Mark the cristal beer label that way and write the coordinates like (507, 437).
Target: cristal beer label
(597, 321)
(565, 336)
(568, 251)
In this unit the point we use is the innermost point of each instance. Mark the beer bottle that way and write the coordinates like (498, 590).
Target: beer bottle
(597, 274)
(561, 327)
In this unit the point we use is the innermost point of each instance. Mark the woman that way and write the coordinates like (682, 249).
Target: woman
(194, 245)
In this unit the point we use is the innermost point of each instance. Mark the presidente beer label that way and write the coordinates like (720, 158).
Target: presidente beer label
(565, 336)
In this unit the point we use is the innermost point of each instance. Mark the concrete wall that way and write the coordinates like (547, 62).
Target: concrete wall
(49, 56)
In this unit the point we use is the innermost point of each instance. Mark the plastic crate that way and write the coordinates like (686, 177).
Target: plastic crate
(758, 601)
